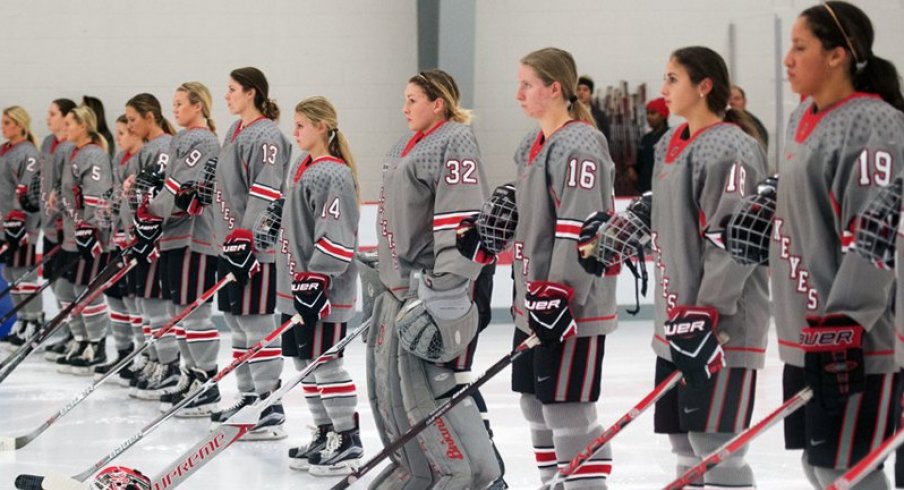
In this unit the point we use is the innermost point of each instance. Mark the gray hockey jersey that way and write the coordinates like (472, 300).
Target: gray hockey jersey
(320, 233)
(53, 156)
(562, 180)
(188, 151)
(89, 170)
(122, 164)
(431, 181)
(835, 160)
(249, 177)
(19, 164)
(697, 182)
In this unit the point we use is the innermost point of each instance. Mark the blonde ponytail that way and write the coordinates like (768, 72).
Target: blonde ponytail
(319, 110)
(20, 116)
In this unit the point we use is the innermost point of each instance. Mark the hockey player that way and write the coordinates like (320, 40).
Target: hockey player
(564, 174)
(120, 297)
(703, 168)
(188, 258)
(423, 333)
(20, 174)
(249, 176)
(53, 149)
(317, 277)
(832, 307)
(85, 183)
(146, 121)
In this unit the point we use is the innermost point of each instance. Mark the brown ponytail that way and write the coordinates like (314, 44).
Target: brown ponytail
(252, 78)
(145, 103)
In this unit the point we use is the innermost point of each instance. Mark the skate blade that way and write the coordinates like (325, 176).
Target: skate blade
(341, 469)
(196, 412)
(266, 434)
(299, 464)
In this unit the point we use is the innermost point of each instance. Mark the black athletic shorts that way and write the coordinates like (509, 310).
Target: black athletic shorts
(839, 441)
(146, 280)
(187, 274)
(724, 404)
(566, 372)
(52, 265)
(24, 256)
(86, 269)
(256, 297)
(305, 342)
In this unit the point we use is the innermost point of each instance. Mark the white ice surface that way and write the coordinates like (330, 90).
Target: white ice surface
(109, 416)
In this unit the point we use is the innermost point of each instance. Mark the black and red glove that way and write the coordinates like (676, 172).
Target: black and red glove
(86, 240)
(147, 229)
(311, 300)
(549, 313)
(694, 343)
(469, 244)
(238, 250)
(588, 243)
(833, 359)
(15, 229)
(186, 199)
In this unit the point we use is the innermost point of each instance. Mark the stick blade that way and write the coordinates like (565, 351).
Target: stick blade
(9, 443)
(57, 481)
(29, 482)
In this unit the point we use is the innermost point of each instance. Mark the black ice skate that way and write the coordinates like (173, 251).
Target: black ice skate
(220, 416)
(341, 456)
(74, 350)
(167, 400)
(140, 382)
(206, 402)
(298, 456)
(94, 355)
(24, 331)
(162, 381)
(100, 371)
(271, 426)
(54, 351)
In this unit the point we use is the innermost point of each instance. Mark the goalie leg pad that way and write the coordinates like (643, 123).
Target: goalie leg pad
(431, 338)
(371, 285)
(267, 364)
(410, 469)
(733, 472)
(239, 346)
(573, 426)
(202, 340)
(457, 445)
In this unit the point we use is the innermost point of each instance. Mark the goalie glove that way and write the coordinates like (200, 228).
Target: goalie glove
(549, 313)
(748, 231)
(878, 225)
(311, 300)
(86, 241)
(147, 229)
(833, 359)
(238, 251)
(438, 324)
(693, 343)
(15, 229)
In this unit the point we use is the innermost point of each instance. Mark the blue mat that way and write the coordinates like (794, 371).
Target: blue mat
(6, 304)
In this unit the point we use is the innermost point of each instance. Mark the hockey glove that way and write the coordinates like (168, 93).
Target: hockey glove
(238, 250)
(121, 240)
(147, 228)
(14, 227)
(441, 320)
(588, 243)
(548, 312)
(833, 359)
(86, 241)
(468, 242)
(29, 196)
(694, 345)
(311, 300)
(186, 199)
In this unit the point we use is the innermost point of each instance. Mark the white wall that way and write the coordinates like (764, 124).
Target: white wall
(615, 40)
(357, 53)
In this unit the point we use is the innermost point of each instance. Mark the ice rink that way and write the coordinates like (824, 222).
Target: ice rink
(109, 416)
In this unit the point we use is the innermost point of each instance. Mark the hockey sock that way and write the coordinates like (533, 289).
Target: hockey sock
(267, 364)
(67, 296)
(202, 339)
(573, 426)
(337, 394)
(733, 472)
(95, 316)
(809, 471)
(156, 314)
(239, 345)
(120, 323)
(684, 455)
(312, 394)
(540, 435)
(184, 354)
(876, 480)
(137, 328)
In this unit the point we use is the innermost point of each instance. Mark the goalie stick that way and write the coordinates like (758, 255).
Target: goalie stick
(53, 251)
(462, 393)
(32, 481)
(106, 278)
(737, 442)
(14, 443)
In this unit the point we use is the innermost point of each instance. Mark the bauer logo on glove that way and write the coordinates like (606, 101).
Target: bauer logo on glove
(311, 300)
(238, 250)
(15, 228)
(694, 346)
(86, 240)
(549, 314)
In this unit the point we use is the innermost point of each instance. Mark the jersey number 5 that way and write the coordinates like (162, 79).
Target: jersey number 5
(877, 171)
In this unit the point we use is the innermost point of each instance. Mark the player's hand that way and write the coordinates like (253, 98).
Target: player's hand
(15, 229)
(311, 300)
(833, 359)
(693, 342)
(548, 311)
(86, 241)
(238, 250)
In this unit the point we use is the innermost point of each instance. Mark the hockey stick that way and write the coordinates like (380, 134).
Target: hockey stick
(53, 251)
(106, 278)
(14, 443)
(595, 445)
(34, 294)
(33, 481)
(463, 392)
(737, 442)
(865, 466)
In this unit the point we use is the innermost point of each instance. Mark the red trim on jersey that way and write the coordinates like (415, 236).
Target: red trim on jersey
(308, 163)
(77, 149)
(677, 144)
(241, 127)
(125, 158)
(450, 221)
(335, 250)
(418, 136)
(55, 144)
(566, 228)
(811, 119)
(596, 319)
(836, 206)
(204, 335)
(541, 139)
(7, 147)
(264, 192)
(755, 350)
